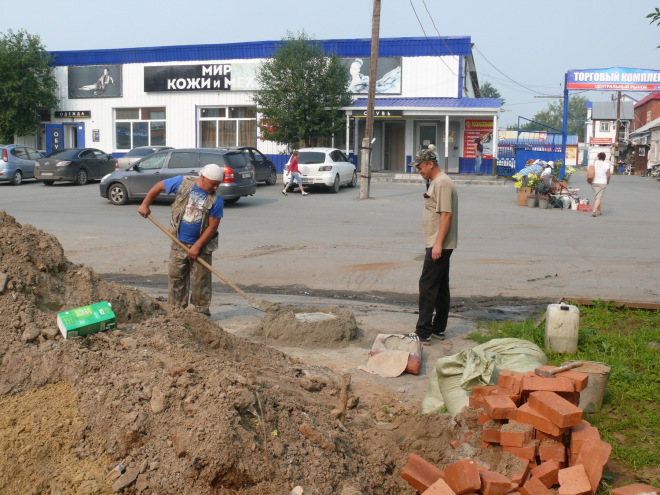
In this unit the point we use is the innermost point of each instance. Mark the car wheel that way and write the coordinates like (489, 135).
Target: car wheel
(353, 181)
(117, 194)
(81, 177)
(272, 178)
(334, 188)
(18, 178)
(48, 182)
(231, 201)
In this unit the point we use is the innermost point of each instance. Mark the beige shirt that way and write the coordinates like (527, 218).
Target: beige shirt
(442, 197)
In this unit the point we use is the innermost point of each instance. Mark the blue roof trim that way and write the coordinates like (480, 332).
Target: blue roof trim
(431, 102)
(388, 47)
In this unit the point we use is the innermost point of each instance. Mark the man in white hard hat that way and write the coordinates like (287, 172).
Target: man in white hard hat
(196, 214)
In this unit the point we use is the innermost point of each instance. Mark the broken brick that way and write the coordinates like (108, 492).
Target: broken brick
(528, 415)
(491, 432)
(635, 489)
(574, 481)
(516, 434)
(420, 474)
(580, 380)
(593, 456)
(557, 409)
(526, 452)
(500, 407)
(534, 487)
(547, 473)
(511, 380)
(460, 441)
(463, 476)
(493, 483)
(440, 487)
(553, 450)
(535, 383)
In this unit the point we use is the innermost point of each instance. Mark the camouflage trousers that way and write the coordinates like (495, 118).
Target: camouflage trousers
(190, 282)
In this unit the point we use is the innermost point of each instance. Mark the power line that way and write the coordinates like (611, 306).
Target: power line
(429, 41)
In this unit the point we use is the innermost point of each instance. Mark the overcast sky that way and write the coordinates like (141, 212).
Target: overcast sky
(523, 48)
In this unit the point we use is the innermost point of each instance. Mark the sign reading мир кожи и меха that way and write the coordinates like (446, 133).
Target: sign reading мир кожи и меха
(204, 77)
(614, 79)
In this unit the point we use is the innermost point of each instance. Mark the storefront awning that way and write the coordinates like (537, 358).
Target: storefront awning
(465, 106)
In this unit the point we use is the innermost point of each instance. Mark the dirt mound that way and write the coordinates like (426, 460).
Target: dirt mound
(169, 403)
(320, 326)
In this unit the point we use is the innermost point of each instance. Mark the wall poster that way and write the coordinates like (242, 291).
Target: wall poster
(95, 81)
(478, 129)
(388, 75)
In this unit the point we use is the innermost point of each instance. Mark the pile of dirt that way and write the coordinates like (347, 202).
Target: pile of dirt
(169, 403)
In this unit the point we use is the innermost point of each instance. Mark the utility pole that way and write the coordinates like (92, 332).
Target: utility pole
(616, 129)
(365, 155)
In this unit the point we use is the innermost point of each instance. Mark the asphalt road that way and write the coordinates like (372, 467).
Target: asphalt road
(337, 243)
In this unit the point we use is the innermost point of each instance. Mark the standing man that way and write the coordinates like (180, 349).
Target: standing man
(440, 228)
(196, 214)
(478, 153)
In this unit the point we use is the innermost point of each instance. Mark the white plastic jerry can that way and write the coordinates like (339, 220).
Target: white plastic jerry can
(562, 322)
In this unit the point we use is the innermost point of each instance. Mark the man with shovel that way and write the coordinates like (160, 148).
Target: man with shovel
(196, 214)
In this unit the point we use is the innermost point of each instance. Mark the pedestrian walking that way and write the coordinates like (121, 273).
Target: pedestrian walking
(599, 175)
(294, 173)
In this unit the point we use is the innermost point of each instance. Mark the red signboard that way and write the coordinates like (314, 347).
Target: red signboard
(474, 129)
(595, 140)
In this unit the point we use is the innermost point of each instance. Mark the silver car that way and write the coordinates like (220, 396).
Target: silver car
(140, 152)
(17, 162)
(135, 181)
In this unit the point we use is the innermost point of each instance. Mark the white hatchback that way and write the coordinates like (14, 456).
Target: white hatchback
(327, 167)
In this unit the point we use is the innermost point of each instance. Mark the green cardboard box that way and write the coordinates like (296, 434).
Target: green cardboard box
(97, 317)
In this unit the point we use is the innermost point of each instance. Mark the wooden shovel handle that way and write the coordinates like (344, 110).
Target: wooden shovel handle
(200, 260)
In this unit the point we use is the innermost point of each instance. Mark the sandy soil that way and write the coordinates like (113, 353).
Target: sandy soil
(170, 403)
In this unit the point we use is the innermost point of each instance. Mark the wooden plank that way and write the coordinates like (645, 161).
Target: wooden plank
(626, 304)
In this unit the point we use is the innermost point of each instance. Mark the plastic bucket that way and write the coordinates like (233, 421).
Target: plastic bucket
(562, 322)
(591, 398)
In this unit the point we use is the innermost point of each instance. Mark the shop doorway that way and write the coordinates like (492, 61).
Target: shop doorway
(393, 146)
(427, 133)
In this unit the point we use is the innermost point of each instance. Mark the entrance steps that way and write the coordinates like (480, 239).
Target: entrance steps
(459, 179)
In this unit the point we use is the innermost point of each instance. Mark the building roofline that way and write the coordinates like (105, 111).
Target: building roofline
(388, 47)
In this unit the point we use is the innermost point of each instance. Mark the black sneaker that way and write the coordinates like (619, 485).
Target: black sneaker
(422, 340)
(439, 336)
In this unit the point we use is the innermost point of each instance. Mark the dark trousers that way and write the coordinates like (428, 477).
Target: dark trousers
(434, 294)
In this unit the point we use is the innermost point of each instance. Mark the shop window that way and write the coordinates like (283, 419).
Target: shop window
(140, 127)
(227, 126)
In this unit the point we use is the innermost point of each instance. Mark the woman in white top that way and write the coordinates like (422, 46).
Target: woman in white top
(602, 174)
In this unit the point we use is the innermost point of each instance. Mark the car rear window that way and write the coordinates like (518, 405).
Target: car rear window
(140, 152)
(311, 157)
(236, 160)
(64, 154)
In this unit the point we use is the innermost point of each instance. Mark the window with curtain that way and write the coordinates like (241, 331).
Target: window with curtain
(227, 126)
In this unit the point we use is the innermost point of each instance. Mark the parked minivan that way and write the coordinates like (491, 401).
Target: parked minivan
(17, 162)
(135, 181)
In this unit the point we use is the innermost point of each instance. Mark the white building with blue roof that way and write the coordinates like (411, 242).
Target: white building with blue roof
(201, 96)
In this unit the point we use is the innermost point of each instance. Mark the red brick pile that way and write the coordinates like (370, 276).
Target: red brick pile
(536, 419)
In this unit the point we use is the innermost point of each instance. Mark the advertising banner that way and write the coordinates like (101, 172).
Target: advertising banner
(95, 81)
(388, 75)
(482, 129)
(203, 77)
(614, 79)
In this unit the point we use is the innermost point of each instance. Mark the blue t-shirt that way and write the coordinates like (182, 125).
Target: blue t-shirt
(191, 221)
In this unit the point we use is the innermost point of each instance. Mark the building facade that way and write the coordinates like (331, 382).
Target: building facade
(201, 96)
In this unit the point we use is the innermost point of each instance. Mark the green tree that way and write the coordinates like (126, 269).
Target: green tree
(487, 90)
(302, 91)
(27, 84)
(553, 116)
